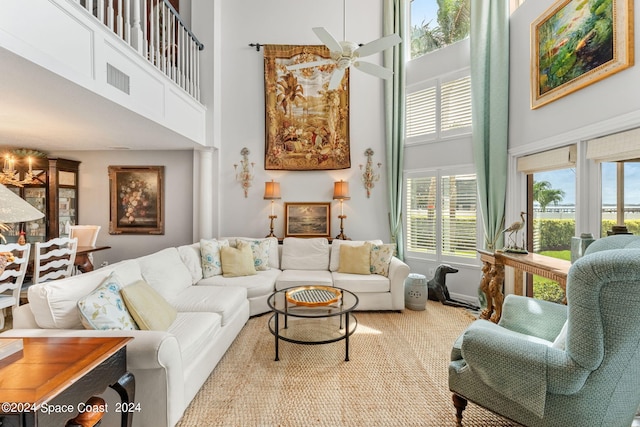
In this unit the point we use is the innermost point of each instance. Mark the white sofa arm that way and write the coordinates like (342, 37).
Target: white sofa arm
(398, 272)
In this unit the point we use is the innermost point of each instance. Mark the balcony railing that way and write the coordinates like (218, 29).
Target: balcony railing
(157, 32)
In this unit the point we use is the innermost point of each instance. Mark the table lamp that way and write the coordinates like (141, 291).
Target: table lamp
(14, 209)
(272, 192)
(341, 192)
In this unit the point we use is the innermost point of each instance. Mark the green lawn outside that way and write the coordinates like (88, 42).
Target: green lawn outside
(546, 289)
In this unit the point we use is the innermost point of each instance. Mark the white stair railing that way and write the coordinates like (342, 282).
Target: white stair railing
(157, 32)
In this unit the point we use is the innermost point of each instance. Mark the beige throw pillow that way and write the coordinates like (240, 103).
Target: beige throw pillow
(237, 261)
(355, 259)
(149, 309)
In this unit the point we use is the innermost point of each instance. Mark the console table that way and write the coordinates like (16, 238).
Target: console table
(52, 380)
(493, 264)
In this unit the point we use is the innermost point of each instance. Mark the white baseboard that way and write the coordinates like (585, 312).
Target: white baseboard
(465, 298)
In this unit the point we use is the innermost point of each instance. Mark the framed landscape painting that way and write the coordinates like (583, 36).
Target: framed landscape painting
(136, 199)
(307, 219)
(307, 125)
(576, 43)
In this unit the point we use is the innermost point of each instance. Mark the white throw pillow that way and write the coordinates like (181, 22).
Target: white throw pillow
(165, 272)
(274, 253)
(561, 339)
(190, 255)
(104, 309)
(260, 249)
(381, 258)
(305, 254)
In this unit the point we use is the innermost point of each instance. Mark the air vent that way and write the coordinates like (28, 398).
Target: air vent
(117, 78)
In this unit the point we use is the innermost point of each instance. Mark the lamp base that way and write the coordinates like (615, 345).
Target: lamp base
(342, 236)
(272, 217)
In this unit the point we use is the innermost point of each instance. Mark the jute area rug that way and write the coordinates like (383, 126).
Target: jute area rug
(396, 376)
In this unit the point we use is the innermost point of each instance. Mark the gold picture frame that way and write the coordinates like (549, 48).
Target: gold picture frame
(312, 219)
(306, 124)
(136, 199)
(576, 43)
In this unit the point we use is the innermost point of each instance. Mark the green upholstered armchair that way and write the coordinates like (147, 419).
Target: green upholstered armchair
(551, 365)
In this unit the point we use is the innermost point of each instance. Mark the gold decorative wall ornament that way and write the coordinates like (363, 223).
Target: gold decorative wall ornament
(245, 175)
(369, 176)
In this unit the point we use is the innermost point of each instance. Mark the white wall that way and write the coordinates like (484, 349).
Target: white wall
(242, 114)
(94, 199)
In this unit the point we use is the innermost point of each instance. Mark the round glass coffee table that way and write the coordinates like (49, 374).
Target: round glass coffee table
(313, 315)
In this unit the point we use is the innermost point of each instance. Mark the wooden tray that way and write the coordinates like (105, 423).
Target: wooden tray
(313, 296)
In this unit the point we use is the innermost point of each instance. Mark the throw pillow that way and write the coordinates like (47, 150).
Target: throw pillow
(355, 259)
(150, 310)
(260, 250)
(237, 261)
(210, 256)
(104, 309)
(381, 258)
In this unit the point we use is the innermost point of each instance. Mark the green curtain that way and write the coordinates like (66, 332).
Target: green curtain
(490, 103)
(394, 22)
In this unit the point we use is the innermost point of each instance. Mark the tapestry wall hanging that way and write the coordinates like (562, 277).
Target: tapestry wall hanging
(307, 125)
(576, 43)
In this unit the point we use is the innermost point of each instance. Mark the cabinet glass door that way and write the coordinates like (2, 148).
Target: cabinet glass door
(36, 231)
(66, 210)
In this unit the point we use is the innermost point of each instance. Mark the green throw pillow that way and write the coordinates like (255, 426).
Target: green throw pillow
(150, 310)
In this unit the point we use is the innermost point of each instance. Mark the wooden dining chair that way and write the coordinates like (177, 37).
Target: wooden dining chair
(87, 235)
(54, 259)
(12, 277)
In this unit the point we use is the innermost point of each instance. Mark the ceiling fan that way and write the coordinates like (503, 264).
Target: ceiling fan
(344, 54)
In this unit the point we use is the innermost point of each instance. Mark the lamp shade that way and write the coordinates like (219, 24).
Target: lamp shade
(15, 209)
(271, 190)
(341, 190)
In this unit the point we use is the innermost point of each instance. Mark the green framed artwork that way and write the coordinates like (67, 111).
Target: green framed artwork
(576, 43)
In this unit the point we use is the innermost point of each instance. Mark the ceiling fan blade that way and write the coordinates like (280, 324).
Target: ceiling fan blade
(374, 69)
(336, 78)
(309, 64)
(378, 45)
(328, 40)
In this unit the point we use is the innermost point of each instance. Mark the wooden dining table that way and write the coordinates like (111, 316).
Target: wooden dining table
(82, 257)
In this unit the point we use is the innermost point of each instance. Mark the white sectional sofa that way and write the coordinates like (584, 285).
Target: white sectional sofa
(171, 365)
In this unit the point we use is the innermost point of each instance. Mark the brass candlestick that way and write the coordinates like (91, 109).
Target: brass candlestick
(342, 236)
(272, 217)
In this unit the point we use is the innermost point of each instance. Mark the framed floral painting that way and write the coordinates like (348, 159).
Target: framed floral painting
(136, 199)
(307, 125)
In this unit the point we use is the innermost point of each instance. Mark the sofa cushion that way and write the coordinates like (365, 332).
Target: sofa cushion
(190, 255)
(355, 259)
(210, 256)
(335, 250)
(237, 261)
(262, 283)
(194, 332)
(225, 301)
(104, 309)
(290, 278)
(165, 272)
(150, 310)
(305, 254)
(381, 258)
(358, 283)
(54, 304)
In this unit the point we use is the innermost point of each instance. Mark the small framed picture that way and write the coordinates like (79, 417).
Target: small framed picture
(307, 219)
(136, 199)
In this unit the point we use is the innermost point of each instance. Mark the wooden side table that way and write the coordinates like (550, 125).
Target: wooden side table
(53, 379)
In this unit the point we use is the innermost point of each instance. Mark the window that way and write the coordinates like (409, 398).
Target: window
(438, 109)
(441, 215)
(436, 24)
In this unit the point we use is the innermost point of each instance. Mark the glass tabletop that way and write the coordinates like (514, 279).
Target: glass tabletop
(312, 301)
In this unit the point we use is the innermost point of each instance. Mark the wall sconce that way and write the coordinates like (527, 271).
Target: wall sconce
(272, 192)
(369, 176)
(244, 176)
(341, 192)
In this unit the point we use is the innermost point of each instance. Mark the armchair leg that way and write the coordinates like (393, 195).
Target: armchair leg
(460, 404)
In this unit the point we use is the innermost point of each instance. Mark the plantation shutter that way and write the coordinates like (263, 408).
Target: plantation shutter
(458, 215)
(456, 104)
(421, 214)
(421, 113)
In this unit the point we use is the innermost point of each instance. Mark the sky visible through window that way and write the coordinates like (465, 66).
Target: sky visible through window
(565, 179)
(424, 11)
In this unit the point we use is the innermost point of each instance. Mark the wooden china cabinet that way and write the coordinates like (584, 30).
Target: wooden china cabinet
(54, 192)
